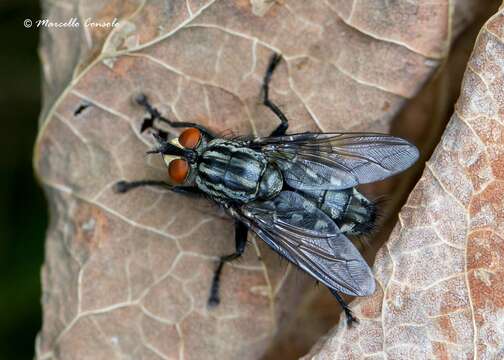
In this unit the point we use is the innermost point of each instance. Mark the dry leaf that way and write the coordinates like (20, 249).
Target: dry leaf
(441, 274)
(129, 275)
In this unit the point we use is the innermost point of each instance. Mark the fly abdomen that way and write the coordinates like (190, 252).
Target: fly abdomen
(229, 171)
(335, 202)
(351, 211)
(360, 215)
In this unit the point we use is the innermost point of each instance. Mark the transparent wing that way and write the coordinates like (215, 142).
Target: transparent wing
(299, 231)
(335, 161)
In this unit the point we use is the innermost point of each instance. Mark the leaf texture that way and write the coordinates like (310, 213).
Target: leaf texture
(441, 273)
(129, 275)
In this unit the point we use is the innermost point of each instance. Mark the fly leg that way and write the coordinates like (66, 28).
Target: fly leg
(241, 231)
(125, 186)
(349, 316)
(154, 115)
(282, 128)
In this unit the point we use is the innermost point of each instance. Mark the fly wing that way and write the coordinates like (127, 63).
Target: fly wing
(296, 229)
(335, 161)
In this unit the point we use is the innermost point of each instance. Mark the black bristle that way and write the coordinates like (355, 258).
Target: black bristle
(370, 225)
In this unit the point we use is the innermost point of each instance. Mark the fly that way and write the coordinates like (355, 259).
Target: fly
(296, 192)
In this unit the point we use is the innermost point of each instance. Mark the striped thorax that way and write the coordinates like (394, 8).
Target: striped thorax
(228, 171)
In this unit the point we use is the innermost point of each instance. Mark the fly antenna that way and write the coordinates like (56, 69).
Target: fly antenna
(167, 148)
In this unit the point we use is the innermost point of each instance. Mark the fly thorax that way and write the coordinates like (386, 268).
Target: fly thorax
(271, 182)
(231, 171)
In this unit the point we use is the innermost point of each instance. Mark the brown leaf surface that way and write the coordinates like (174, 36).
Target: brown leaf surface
(130, 274)
(441, 274)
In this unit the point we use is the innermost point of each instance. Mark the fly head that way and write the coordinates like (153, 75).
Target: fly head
(181, 155)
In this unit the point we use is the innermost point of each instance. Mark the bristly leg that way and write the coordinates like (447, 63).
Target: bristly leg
(241, 231)
(154, 115)
(125, 186)
(282, 128)
(351, 319)
(148, 122)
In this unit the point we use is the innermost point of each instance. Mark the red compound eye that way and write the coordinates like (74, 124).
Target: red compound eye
(178, 170)
(190, 138)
